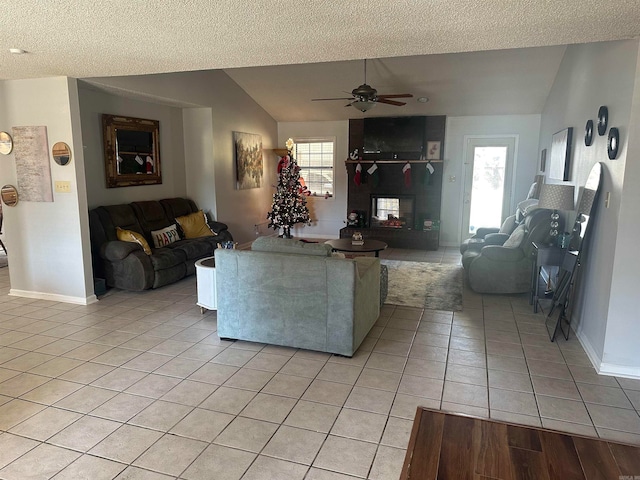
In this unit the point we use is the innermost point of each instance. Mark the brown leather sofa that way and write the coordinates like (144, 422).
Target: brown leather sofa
(125, 265)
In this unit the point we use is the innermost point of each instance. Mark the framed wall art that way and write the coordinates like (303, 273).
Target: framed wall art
(433, 150)
(560, 161)
(131, 151)
(248, 155)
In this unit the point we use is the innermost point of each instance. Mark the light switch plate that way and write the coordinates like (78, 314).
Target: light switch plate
(62, 186)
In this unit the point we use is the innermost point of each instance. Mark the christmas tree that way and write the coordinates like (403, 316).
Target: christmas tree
(289, 201)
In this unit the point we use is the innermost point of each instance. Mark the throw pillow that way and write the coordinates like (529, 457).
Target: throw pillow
(166, 236)
(135, 237)
(194, 225)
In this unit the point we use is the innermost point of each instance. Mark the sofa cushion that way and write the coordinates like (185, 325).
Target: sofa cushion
(151, 216)
(163, 258)
(516, 238)
(194, 225)
(122, 216)
(135, 237)
(166, 236)
(193, 249)
(290, 245)
(178, 207)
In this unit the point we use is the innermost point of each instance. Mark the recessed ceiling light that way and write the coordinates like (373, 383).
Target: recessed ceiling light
(423, 99)
(17, 51)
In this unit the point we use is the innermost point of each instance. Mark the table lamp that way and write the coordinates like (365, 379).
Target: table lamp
(556, 197)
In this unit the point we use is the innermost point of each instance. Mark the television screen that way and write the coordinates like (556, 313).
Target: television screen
(394, 137)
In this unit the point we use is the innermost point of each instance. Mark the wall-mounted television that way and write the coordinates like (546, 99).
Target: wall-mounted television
(389, 138)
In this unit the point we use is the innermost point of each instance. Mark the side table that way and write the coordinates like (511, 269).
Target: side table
(543, 255)
(206, 284)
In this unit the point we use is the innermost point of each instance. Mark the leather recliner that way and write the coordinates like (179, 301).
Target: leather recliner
(507, 268)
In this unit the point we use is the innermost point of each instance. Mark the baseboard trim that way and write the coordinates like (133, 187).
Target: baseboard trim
(595, 359)
(603, 368)
(54, 297)
(619, 370)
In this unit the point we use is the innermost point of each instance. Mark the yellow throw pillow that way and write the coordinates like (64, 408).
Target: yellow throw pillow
(195, 225)
(135, 237)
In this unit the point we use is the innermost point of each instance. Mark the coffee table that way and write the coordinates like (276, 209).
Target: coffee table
(344, 245)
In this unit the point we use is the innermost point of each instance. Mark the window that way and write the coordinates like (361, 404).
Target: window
(315, 159)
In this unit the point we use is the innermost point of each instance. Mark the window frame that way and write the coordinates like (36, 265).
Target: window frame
(319, 139)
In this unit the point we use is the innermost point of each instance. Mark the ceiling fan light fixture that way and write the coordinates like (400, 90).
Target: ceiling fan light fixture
(363, 105)
(423, 99)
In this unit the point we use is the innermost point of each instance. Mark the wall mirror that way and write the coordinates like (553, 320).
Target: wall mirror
(568, 274)
(9, 195)
(6, 143)
(61, 153)
(584, 209)
(131, 151)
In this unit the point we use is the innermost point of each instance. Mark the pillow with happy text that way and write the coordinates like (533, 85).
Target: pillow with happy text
(166, 236)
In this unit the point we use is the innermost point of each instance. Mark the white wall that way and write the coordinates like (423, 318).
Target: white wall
(93, 104)
(48, 242)
(231, 110)
(592, 75)
(328, 215)
(621, 354)
(526, 128)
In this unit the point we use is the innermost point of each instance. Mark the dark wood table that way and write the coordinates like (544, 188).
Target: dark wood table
(344, 245)
(446, 446)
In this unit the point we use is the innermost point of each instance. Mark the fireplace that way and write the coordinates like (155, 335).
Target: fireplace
(392, 211)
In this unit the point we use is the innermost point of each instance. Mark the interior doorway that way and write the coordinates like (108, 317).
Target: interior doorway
(488, 183)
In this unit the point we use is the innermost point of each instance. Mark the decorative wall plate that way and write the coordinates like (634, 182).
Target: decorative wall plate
(588, 133)
(613, 143)
(603, 120)
(6, 143)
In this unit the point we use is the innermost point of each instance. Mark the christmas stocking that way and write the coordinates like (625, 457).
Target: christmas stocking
(373, 172)
(357, 178)
(407, 175)
(428, 172)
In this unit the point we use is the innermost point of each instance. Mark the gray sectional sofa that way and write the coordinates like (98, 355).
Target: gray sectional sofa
(125, 265)
(295, 294)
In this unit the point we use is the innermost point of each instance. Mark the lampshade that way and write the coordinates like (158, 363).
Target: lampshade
(556, 197)
(363, 106)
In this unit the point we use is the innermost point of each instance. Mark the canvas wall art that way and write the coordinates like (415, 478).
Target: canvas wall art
(249, 169)
(560, 161)
(33, 169)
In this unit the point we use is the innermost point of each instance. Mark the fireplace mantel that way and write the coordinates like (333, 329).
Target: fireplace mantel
(425, 188)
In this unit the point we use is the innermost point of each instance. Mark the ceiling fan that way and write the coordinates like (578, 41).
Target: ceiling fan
(365, 96)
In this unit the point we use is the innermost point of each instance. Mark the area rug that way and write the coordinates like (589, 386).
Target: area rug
(434, 286)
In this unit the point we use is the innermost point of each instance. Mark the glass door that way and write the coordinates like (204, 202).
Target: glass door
(487, 189)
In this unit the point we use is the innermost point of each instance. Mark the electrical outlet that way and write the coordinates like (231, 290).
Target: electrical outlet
(63, 186)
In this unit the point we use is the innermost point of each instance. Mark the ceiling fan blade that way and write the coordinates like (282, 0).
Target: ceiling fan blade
(396, 95)
(390, 102)
(323, 99)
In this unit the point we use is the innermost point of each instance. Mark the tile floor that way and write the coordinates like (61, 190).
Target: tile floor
(139, 386)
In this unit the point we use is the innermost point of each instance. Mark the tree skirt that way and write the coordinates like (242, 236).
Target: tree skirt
(425, 285)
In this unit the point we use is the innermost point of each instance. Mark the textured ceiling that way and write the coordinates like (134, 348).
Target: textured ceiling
(85, 38)
(467, 56)
(498, 82)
